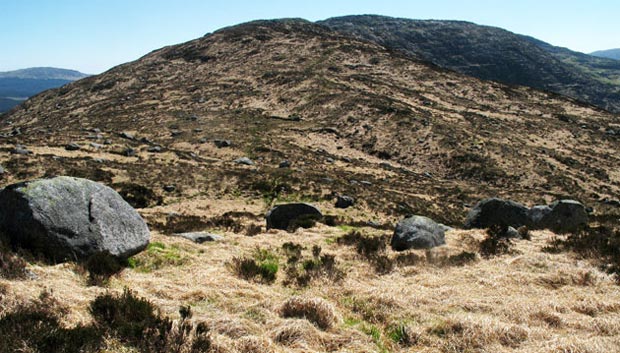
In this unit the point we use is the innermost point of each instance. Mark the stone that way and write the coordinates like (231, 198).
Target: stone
(21, 149)
(344, 201)
(494, 211)
(563, 216)
(154, 149)
(95, 145)
(66, 218)
(200, 237)
(129, 152)
(175, 133)
(127, 136)
(244, 160)
(284, 164)
(72, 147)
(2, 170)
(222, 143)
(417, 232)
(169, 188)
(283, 216)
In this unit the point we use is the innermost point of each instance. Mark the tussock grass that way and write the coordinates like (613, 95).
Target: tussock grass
(316, 310)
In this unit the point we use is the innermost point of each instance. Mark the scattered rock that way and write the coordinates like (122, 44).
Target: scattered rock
(68, 218)
(169, 188)
(154, 149)
(127, 136)
(417, 232)
(244, 160)
(96, 145)
(329, 160)
(496, 211)
(145, 141)
(511, 232)
(203, 140)
(2, 171)
(365, 183)
(222, 143)
(198, 129)
(96, 130)
(200, 237)
(283, 216)
(129, 152)
(346, 159)
(611, 202)
(563, 216)
(175, 133)
(284, 164)
(344, 201)
(72, 147)
(20, 149)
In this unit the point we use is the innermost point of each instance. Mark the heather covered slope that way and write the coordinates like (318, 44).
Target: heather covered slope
(294, 90)
(492, 53)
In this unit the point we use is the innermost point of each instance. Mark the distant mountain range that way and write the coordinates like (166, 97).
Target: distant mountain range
(493, 54)
(609, 53)
(18, 85)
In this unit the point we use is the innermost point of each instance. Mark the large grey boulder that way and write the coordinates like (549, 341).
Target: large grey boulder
(69, 218)
(494, 211)
(563, 216)
(417, 232)
(284, 216)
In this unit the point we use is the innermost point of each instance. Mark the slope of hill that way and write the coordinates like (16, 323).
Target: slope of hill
(16, 86)
(352, 118)
(493, 54)
(609, 53)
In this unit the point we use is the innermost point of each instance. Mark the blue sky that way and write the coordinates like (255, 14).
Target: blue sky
(95, 35)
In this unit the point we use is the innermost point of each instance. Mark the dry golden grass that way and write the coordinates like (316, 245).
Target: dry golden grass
(530, 301)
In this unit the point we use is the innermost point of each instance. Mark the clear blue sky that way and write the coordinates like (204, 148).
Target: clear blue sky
(95, 35)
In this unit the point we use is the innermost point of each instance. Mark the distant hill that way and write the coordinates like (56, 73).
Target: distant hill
(610, 54)
(493, 54)
(18, 85)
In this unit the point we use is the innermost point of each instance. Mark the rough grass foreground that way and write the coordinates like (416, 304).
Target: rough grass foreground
(524, 300)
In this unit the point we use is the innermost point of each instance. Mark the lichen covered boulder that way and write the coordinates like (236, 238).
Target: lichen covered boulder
(417, 232)
(66, 218)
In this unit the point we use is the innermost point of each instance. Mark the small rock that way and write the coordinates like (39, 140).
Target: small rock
(612, 202)
(21, 149)
(198, 130)
(347, 159)
(169, 188)
(222, 143)
(107, 142)
(200, 237)
(2, 171)
(145, 140)
(283, 216)
(494, 211)
(154, 149)
(417, 232)
(203, 140)
(512, 233)
(127, 136)
(175, 133)
(96, 130)
(327, 180)
(284, 164)
(244, 160)
(96, 145)
(329, 160)
(365, 183)
(98, 160)
(72, 147)
(344, 201)
(129, 152)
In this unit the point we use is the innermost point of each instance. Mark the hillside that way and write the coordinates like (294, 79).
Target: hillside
(16, 86)
(351, 117)
(609, 53)
(494, 54)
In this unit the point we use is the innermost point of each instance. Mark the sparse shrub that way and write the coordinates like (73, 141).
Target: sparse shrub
(601, 243)
(301, 271)
(495, 244)
(315, 310)
(401, 334)
(137, 322)
(36, 327)
(12, 266)
(252, 230)
(263, 266)
(137, 195)
(371, 248)
(101, 266)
